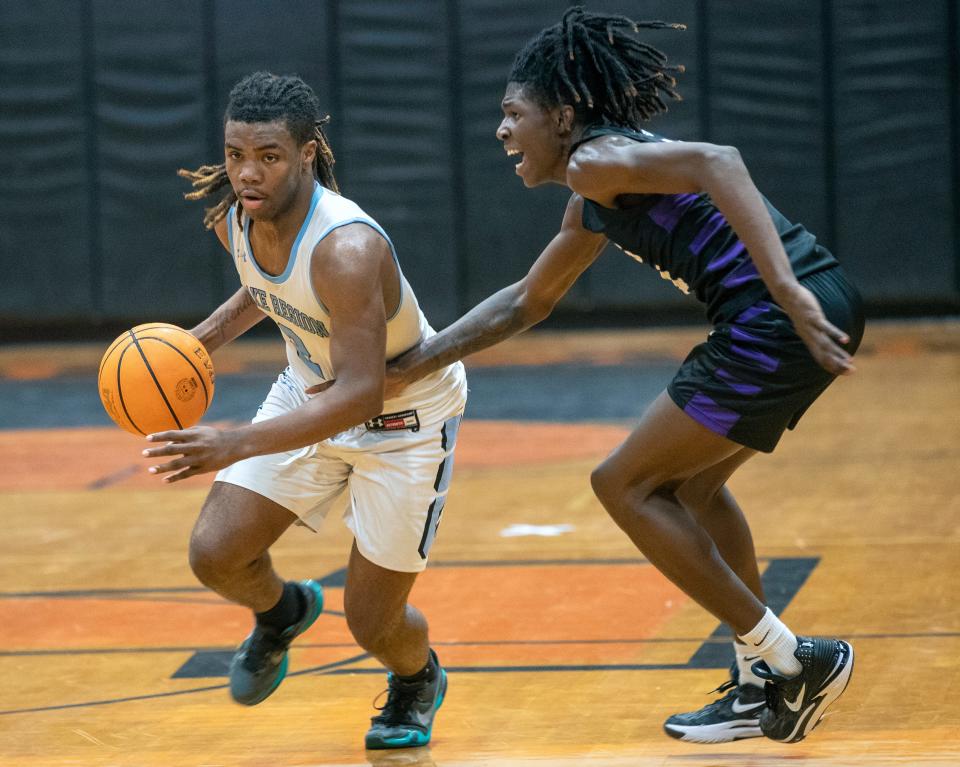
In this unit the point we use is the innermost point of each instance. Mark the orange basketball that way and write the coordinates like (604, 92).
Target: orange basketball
(156, 377)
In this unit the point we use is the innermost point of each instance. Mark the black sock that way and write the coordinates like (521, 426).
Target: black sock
(426, 674)
(285, 612)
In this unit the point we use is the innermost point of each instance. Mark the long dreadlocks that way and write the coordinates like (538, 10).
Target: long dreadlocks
(593, 62)
(264, 97)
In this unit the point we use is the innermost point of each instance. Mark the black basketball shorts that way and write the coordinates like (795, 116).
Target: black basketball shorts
(754, 377)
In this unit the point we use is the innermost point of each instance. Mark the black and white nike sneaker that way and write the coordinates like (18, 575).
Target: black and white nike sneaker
(735, 716)
(796, 705)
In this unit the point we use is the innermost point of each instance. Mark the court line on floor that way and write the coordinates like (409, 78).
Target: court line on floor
(479, 643)
(333, 579)
(172, 693)
(337, 668)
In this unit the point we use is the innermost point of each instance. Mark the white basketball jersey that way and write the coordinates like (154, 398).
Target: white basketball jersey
(291, 302)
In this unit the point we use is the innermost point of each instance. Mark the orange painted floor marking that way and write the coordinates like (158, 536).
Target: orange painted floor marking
(547, 603)
(84, 459)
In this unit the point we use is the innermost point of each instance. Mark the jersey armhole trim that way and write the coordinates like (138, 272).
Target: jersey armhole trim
(231, 218)
(379, 230)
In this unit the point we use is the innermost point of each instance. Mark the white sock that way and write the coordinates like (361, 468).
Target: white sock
(775, 643)
(745, 661)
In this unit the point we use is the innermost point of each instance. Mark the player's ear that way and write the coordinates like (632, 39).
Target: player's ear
(308, 153)
(565, 119)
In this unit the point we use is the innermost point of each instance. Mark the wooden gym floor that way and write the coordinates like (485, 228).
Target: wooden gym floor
(563, 646)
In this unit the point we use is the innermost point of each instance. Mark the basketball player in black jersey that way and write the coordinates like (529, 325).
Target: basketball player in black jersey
(786, 322)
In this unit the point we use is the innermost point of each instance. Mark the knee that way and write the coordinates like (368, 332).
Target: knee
(607, 486)
(629, 500)
(208, 560)
(621, 496)
(212, 555)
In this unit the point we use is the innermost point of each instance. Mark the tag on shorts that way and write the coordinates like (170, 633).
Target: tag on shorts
(395, 422)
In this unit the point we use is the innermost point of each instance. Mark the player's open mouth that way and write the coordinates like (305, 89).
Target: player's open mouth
(251, 200)
(516, 153)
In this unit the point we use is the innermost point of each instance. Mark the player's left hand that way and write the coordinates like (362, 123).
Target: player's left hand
(201, 449)
(824, 340)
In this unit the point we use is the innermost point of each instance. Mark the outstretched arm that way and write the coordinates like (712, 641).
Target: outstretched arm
(607, 167)
(511, 310)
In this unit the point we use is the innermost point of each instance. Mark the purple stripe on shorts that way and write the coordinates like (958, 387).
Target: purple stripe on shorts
(752, 312)
(739, 334)
(667, 212)
(743, 273)
(730, 254)
(708, 413)
(764, 361)
(736, 384)
(714, 224)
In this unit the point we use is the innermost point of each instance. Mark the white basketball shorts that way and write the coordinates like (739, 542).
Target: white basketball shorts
(393, 473)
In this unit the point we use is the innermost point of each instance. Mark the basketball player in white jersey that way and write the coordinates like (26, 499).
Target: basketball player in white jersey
(327, 274)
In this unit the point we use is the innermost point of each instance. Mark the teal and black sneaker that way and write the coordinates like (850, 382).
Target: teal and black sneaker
(406, 720)
(260, 663)
(796, 705)
(735, 716)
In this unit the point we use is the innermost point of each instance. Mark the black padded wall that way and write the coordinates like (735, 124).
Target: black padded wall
(46, 260)
(953, 48)
(149, 120)
(768, 98)
(894, 201)
(396, 138)
(846, 111)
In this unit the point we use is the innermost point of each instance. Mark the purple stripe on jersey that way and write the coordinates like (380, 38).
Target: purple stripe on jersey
(764, 361)
(736, 384)
(708, 413)
(726, 257)
(714, 224)
(667, 212)
(752, 312)
(743, 273)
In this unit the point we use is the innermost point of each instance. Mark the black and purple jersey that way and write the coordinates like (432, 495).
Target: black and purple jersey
(689, 242)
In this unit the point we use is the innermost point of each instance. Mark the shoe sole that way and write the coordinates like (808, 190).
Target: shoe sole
(726, 732)
(834, 690)
(414, 738)
(317, 590)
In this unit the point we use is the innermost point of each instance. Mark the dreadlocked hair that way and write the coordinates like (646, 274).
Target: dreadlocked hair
(594, 62)
(264, 97)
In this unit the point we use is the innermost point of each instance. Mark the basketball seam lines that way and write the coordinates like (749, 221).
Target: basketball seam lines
(153, 375)
(116, 343)
(120, 388)
(196, 370)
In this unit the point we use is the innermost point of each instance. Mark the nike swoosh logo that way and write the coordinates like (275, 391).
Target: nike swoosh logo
(757, 644)
(738, 708)
(795, 704)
